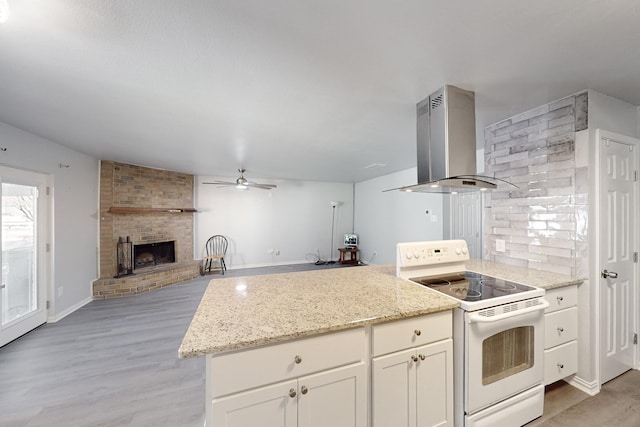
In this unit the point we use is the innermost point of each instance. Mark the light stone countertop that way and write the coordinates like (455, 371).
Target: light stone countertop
(527, 276)
(244, 312)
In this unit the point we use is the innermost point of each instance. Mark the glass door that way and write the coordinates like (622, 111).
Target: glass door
(22, 291)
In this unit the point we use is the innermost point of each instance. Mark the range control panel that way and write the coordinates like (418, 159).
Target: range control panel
(414, 254)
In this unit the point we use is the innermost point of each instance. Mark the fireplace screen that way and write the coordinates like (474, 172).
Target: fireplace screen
(151, 254)
(124, 256)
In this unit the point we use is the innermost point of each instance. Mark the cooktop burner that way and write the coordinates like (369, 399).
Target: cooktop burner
(469, 286)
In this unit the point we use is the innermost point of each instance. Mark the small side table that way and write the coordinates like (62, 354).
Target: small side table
(353, 255)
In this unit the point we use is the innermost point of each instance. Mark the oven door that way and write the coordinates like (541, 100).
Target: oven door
(504, 354)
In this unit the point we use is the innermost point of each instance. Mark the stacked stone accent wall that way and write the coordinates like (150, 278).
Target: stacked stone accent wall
(543, 223)
(123, 185)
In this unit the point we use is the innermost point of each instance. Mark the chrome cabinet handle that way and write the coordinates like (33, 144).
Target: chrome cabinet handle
(422, 357)
(304, 390)
(292, 392)
(414, 358)
(3, 286)
(298, 360)
(609, 274)
(560, 365)
(560, 299)
(560, 330)
(418, 332)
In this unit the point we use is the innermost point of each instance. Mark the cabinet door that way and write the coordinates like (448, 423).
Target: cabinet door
(394, 389)
(265, 406)
(335, 398)
(435, 384)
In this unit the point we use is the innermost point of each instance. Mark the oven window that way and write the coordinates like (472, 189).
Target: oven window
(507, 353)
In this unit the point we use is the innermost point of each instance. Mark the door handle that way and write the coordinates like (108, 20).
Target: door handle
(2, 286)
(609, 274)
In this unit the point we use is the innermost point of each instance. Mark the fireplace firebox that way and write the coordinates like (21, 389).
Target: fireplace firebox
(152, 254)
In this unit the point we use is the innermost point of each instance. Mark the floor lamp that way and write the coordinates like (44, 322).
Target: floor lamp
(333, 223)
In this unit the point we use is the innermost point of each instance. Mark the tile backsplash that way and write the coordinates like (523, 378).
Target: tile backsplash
(543, 222)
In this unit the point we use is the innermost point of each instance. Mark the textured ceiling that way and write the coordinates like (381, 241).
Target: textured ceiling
(294, 89)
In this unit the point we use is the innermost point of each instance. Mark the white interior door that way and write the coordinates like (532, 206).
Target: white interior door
(22, 231)
(618, 188)
(466, 220)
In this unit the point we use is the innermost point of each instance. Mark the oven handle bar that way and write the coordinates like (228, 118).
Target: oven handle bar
(477, 318)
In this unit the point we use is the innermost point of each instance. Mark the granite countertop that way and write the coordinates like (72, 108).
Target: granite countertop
(244, 312)
(527, 276)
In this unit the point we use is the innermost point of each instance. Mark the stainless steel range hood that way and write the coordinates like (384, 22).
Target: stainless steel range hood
(447, 144)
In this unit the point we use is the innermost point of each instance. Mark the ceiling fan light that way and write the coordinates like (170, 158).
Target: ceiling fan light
(242, 187)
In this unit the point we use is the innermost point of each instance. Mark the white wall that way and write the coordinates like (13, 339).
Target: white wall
(75, 211)
(383, 219)
(294, 218)
(613, 114)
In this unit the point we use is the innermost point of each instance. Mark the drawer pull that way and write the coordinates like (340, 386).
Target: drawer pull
(560, 299)
(560, 330)
(298, 360)
(422, 357)
(418, 332)
(304, 389)
(560, 365)
(414, 358)
(292, 392)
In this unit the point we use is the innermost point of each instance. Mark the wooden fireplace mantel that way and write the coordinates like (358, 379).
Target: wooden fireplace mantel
(136, 210)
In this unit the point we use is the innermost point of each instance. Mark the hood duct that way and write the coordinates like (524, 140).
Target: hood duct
(447, 144)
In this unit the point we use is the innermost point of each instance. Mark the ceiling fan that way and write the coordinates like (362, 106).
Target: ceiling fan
(242, 183)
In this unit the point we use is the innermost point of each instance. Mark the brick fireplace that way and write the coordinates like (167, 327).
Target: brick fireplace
(152, 208)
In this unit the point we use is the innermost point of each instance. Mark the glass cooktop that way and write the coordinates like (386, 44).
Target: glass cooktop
(469, 286)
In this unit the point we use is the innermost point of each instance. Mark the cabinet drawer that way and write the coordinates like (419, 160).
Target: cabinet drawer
(233, 372)
(560, 362)
(561, 298)
(412, 332)
(560, 327)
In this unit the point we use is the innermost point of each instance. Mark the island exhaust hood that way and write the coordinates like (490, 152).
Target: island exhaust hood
(447, 144)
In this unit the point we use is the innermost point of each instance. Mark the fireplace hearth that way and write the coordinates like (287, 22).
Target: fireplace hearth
(152, 254)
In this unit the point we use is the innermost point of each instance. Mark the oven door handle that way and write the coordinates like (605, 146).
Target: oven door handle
(478, 318)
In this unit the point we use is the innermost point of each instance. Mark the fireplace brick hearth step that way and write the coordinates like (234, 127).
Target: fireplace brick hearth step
(151, 279)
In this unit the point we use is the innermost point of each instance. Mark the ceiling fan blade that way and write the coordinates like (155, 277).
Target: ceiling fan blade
(220, 183)
(261, 186)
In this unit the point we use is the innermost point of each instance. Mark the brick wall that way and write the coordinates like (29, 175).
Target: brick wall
(123, 185)
(539, 221)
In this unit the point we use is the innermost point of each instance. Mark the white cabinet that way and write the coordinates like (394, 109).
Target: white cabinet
(332, 398)
(561, 332)
(313, 382)
(412, 372)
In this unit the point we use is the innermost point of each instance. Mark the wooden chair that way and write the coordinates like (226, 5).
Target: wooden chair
(215, 250)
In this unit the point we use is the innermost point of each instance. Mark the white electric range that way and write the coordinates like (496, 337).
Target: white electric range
(498, 334)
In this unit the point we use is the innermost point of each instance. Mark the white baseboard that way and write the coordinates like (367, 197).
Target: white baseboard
(68, 311)
(265, 264)
(590, 387)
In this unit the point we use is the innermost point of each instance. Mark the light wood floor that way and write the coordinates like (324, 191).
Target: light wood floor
(114, 363)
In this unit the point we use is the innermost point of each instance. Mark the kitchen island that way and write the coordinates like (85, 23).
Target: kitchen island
(297, 348)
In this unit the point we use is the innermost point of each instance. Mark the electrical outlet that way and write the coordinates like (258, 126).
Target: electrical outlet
(500, 245)
(60, 291)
